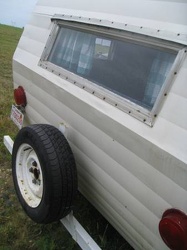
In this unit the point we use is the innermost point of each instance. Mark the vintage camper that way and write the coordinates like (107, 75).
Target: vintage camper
(101, 103)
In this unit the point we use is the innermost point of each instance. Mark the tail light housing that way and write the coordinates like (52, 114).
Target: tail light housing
(20, 96)
(173, 229)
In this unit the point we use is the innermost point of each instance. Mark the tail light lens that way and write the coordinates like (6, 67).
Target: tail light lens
(19, 96)
(173, 229)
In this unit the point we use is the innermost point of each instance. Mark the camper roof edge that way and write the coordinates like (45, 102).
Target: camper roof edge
(152, 32)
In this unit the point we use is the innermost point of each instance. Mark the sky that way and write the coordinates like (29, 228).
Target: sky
(16, 12)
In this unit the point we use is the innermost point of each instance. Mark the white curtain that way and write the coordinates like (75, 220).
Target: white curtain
(74, 50)
(159, 70)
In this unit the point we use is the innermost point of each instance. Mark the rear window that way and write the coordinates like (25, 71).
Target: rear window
(133, 70)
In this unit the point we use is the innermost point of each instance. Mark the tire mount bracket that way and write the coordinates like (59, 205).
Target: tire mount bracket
(77, 232)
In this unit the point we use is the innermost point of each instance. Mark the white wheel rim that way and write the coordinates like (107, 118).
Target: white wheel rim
(29, 175)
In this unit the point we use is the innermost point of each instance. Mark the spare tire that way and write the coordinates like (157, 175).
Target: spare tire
(44, 173)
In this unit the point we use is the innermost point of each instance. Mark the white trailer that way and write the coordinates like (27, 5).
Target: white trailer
(111, 76)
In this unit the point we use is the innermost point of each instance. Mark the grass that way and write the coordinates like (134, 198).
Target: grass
(8, 39)
(17, 231)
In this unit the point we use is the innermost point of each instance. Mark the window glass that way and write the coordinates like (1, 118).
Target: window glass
(131, 70)
(102, 47)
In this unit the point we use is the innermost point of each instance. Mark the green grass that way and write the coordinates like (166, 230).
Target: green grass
(17, 231)
(8, 39)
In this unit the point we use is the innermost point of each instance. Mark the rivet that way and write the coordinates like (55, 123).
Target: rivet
(178, 34)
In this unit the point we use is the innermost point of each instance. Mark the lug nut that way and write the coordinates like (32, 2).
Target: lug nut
(34, 164)
(31, 170)
(34, 181)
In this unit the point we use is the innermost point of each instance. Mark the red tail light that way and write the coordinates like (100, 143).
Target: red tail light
(173, 229)
(19, 96)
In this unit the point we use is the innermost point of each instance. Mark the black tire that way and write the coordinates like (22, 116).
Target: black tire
(42, 154)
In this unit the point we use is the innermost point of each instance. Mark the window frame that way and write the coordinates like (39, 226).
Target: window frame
(127, 106)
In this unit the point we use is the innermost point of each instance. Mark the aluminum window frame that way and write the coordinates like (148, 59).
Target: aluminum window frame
(127, 106)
